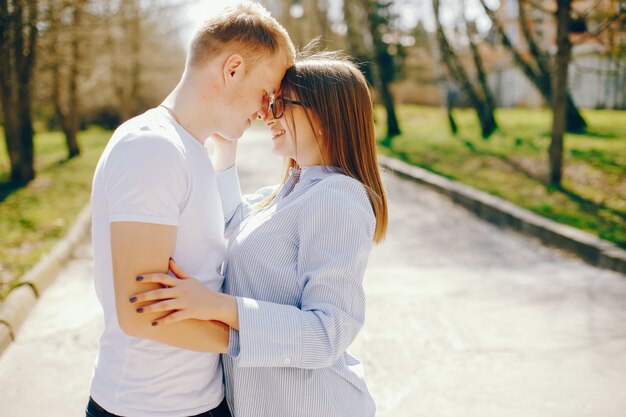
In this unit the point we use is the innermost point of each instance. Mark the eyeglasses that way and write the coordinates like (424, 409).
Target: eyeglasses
(278, 104)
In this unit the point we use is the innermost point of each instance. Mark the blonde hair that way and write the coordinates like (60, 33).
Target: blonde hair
(337, 94)
(248, 28)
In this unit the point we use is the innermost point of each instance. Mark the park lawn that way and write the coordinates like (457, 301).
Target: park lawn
(513, 163)
(33, 218)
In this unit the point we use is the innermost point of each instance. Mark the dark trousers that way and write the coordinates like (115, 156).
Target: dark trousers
(94, 410)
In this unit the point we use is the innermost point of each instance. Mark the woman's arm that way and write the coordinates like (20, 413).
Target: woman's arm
(235, 206)
(224, 158)
(225, 153)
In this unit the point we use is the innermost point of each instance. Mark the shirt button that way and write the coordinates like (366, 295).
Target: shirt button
(287, 361)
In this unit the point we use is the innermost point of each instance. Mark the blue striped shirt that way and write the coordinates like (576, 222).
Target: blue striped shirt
(297, 268)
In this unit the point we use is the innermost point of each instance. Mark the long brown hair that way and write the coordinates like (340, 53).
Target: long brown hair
(336, 92)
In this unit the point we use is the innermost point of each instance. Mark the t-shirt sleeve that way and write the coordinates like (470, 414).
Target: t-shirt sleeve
(146, 180)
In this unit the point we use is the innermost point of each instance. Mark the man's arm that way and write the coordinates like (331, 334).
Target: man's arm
(137, 248)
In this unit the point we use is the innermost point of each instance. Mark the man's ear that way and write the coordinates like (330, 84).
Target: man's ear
(234, 68)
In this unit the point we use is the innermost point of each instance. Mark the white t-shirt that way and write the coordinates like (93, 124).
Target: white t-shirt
(154, 171)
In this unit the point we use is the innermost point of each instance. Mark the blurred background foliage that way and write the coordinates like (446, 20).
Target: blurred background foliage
(524, 99)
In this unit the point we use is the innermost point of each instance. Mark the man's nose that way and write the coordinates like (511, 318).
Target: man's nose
(262, 113)
(267, 117)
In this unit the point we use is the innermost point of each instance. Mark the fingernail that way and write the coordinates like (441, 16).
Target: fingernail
(139, 278)
(140, 310)
(132, 299)
(154, 323)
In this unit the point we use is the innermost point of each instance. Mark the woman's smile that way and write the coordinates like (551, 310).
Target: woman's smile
(277, 133)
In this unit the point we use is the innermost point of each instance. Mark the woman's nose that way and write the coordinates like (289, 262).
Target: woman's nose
(267, 118)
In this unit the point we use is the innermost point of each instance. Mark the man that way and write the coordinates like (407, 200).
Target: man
(155, 197)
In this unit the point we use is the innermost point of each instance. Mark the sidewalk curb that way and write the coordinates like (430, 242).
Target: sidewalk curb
(20, 301)
(591, 249)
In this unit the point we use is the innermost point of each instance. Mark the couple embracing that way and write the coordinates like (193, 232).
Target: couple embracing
(258, 327)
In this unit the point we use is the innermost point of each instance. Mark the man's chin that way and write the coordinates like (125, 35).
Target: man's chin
(232, 136)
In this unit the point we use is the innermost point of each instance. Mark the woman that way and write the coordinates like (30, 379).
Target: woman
(293, 295)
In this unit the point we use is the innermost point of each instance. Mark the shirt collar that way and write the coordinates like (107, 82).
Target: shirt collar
(314, 172)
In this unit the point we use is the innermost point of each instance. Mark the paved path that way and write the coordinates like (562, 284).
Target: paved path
(463, 319)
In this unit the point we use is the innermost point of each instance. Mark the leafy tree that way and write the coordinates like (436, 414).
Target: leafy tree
(18, 43)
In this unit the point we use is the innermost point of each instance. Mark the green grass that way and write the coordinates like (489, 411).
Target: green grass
(34, 217)
(513, 163)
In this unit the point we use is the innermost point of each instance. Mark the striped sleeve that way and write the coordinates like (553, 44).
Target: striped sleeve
(235, 206)
(335, 237)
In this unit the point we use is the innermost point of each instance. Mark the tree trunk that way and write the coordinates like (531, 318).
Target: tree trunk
(26, 169)
(354, 37)
(560, 94)
(453, 126)
(18, 38)
(487, 105)
(574, 122)
(134, 38)
(487, 120)
(65, 91)
(478, 99)
(538, 76)
(541, 59)
(383, 69)
(393, 128)
(357, 28)
(126, 53)
(481, 75)
(71, 134)
(449, 94)
(321, 11)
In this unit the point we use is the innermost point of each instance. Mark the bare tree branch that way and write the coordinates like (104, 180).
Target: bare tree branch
(539, 57)
(477, 96)
(525, 66)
